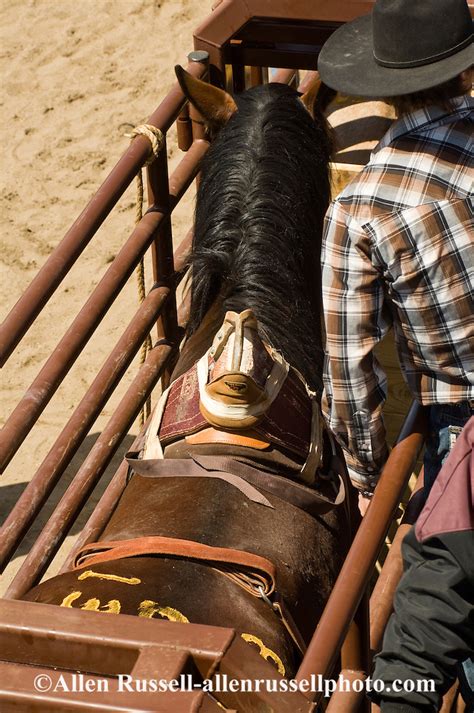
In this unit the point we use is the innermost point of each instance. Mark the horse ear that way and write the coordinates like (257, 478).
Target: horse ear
(215, 105)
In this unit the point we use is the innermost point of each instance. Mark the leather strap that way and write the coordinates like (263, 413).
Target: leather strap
(187, 468)
(252, 572)
(280, 608)
(243, 476)
(295, 493)
(248, 439)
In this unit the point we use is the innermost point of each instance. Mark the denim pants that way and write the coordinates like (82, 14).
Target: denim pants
(446, 422)
(466, 683)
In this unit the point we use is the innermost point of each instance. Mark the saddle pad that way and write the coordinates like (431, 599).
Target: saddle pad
(287, 422)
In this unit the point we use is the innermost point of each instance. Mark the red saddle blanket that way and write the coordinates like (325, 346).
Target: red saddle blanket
(286, 424)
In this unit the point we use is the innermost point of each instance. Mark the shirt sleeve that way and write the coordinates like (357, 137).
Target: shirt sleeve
(356, 319)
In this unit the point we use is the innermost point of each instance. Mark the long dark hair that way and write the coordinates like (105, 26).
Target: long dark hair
(260, 205)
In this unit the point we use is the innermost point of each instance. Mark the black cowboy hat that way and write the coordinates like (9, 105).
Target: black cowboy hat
(404, 46)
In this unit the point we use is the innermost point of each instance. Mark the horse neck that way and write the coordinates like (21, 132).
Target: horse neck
(257, 238)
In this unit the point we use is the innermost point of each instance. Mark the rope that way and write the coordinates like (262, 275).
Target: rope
(156, 138)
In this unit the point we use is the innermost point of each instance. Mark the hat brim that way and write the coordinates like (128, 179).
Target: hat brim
(346, 63)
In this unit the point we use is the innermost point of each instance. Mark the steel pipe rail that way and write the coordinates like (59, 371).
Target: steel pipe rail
(87, 476)
(106, 505)
(352, 581)
(101, 514)
(381, 600)
(61, 453)
(104, 508)
(162, 250)
(68, 349)
(181, 255)
(79, 235)
(283, 76)
(347, 699)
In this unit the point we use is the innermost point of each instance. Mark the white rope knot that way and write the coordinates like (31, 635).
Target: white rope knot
(153, 134)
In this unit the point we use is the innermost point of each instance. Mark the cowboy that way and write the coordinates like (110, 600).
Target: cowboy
(398, 241)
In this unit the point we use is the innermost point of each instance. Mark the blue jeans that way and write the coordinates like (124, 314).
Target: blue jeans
(466, 683)
(446, 422)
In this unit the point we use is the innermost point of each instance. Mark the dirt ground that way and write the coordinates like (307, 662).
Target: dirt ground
(76, 77)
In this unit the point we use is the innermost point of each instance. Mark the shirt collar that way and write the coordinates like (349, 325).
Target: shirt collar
(431, 117)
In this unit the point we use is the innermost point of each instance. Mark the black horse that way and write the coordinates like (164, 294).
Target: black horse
(233, 513)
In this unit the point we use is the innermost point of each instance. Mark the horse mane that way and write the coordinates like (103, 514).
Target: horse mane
(260, 206)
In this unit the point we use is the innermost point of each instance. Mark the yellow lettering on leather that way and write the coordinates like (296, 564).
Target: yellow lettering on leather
(113, 577)
(67, 601)
(148, 608)
(265, 652)
(112, 606)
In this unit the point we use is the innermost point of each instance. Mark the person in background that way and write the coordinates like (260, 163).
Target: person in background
(432, 627)
(398, 240)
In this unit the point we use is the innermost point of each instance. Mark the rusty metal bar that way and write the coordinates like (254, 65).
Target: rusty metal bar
(348, 590)
(162, 247)
(162, 250)
(355, 657)
(351, 649)
(355, 649)
(78, 236)
(114, 490)
(181, 254)
(80, 640)
(308, 80)
(101, 515)
(60, 455)
(184, 310)
(283, 76)
(86, 478)
(256, 76)
(184, 129)
(381, 600)
(348, 700)
(57, 366)
(231, 16)
(197, 121)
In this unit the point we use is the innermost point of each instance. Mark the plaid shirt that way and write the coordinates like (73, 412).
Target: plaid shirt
(398, 251)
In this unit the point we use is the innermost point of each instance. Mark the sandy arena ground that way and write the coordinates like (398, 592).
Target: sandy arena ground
(76, 77)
